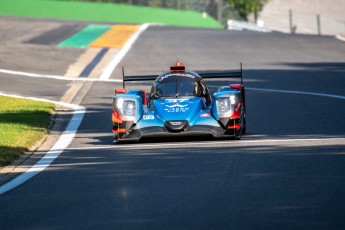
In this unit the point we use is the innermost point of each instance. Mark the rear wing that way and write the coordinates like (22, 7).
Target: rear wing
(203, 74)
(136, 78)
(221, 74)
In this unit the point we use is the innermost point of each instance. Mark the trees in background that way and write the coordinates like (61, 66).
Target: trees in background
(247, 7)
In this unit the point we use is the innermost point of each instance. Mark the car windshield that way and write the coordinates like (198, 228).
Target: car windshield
(177, 85)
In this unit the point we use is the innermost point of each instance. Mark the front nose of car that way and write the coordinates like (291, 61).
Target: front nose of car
(178, 110)
(177, 126)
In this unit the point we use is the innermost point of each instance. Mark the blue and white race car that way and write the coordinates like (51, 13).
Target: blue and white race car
(179, 104)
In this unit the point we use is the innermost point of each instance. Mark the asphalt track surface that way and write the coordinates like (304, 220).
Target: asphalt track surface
(287, 173)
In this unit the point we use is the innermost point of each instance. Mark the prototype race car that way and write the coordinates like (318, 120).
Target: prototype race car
(179, 104)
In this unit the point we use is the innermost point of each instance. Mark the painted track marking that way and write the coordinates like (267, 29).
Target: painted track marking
(62, 143)
(55, 77)
(115, 37)
(298, 92)
(34, 75)
(119, 56)
(26, 74)
(101, 39)
(85, 36)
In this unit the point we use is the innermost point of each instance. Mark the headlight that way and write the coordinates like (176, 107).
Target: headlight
(126, 108)
(226, 105)
(129, 108)
(223, 106)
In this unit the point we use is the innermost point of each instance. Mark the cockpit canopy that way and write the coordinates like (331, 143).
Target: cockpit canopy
(177, 85)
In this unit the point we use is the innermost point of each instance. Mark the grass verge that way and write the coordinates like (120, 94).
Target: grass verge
(22, 123)
(105, 12)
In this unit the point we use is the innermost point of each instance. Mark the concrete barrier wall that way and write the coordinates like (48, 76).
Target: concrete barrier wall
(325, 17)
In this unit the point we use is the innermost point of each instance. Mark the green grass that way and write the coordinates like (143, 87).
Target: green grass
(104, 12)
(22, 123)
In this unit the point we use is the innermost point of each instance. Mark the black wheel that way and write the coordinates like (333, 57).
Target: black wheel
(244, 123)
(238, 134)
(117, 137)
(244, 117)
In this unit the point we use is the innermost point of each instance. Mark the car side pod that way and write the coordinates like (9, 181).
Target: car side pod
(241, 88)
(229, 110)
(127, 108)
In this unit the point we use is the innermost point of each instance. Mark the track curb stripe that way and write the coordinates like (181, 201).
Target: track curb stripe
(115, 37)
(118, 57)
(85, 37)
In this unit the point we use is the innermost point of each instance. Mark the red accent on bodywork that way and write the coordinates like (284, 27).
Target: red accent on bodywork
(239, 87)
(121, 90)
(116, 117)
(236, 126)
(237, 111)
(119, 130)
(178, 67)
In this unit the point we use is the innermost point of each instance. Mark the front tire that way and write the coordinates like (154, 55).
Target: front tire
(117, 137)
(244, 122)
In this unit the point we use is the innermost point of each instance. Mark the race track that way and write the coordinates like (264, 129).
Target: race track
(287, 173)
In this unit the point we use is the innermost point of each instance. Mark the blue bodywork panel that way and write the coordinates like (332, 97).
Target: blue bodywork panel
(179, 103)
(192, 110)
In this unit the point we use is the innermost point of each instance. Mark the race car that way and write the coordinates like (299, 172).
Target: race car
(179, 104)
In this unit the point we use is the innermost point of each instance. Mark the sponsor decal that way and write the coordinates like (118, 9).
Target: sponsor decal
(238, 107)
(176, 105)
(148, 117)
(176, 123)
(176, 110)
(176, 100)
(177, 74)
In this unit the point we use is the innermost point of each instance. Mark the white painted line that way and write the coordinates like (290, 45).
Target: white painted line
(341, 37)
(32, 74)
(119, 80)
(68, 135)
(208, 143)
(118, 57)
(63, 142)
(298, 92)
(61, 78)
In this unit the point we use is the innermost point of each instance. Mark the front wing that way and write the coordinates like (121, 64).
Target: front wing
(152, 129)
